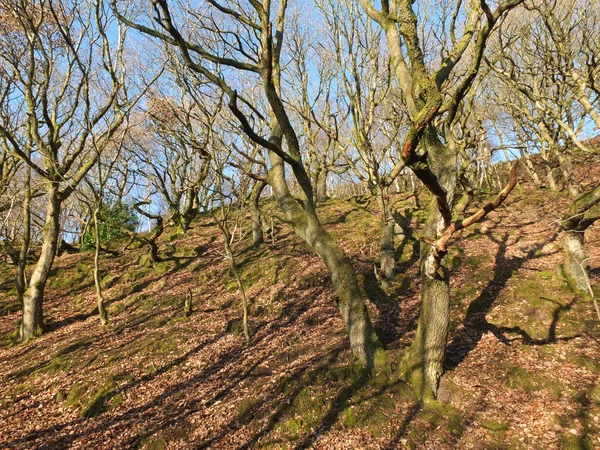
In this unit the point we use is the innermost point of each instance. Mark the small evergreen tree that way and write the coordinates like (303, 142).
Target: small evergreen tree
(116, 217)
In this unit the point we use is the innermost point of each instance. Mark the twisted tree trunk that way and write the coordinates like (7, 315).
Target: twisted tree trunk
(423, 363)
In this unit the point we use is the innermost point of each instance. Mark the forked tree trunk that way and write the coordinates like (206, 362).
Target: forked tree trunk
(33, 316)
(530, 168)
(190, 210)
(423, 362)
(99, 297)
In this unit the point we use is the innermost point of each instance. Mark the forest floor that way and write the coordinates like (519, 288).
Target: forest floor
(523, 360)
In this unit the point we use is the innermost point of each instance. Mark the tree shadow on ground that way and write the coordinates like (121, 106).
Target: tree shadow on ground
(476, 324)
(388, 326)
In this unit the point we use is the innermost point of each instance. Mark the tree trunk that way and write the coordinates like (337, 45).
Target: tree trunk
(21, 281)
(582, 213)
(575, 265)
(466, 198)
(33, 316)
(321, 195)
(100, 298)
(387, 262)
(566, 172)
(236, 274)
(530, 168)
(190, 210)
(350, 300)
(551, 180)
(423, 363)
(257, 226)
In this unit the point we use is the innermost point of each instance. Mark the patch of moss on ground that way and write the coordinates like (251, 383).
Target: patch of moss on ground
(96, 399)
(56, 365)
(245, 410)
(494, 425)
(437, 414)
(571, 442)
(152, 443)
(518, 378)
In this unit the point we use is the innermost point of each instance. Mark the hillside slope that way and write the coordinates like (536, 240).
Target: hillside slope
(523, 362)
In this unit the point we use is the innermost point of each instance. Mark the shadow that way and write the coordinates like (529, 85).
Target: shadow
(410, 416)
(387, 326)
(335, 409)
(341, 219)
(475, 323)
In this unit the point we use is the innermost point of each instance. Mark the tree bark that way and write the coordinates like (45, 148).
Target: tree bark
(257, 226)
(21, 280)
(575, 265)
(99, 297)
(387, 262)
(350, 300)
(321, 195)
(33, 317)
(190, 210)
(423, 363)
(582, 213)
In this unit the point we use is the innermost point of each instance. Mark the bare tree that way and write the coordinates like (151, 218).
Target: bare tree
(232, 41)
(58, 55)
(434, 93)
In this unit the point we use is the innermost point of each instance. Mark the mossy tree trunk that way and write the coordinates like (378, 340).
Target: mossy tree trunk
(387, 261)
(33, 317)
(321, 186)
(423, 363)
(99, 297)
(582, 213)
(21, 280)
(345, 283)
(255, 217)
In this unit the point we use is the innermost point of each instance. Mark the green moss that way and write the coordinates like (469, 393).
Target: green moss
(108, 281)
(518, 378)
(115, 402)
(437, 414)
(10, 339)
(153, 443)
(584, 361)
(67, 279)
(135, 275)
(293, 428)
(571, 442)
(349, 418)
(162, 345)
(56, 365)
(95, 405)
(494, 425)
(162, 267)
(545, 275)
(95, 401)
(245, 410)
(76, 394)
